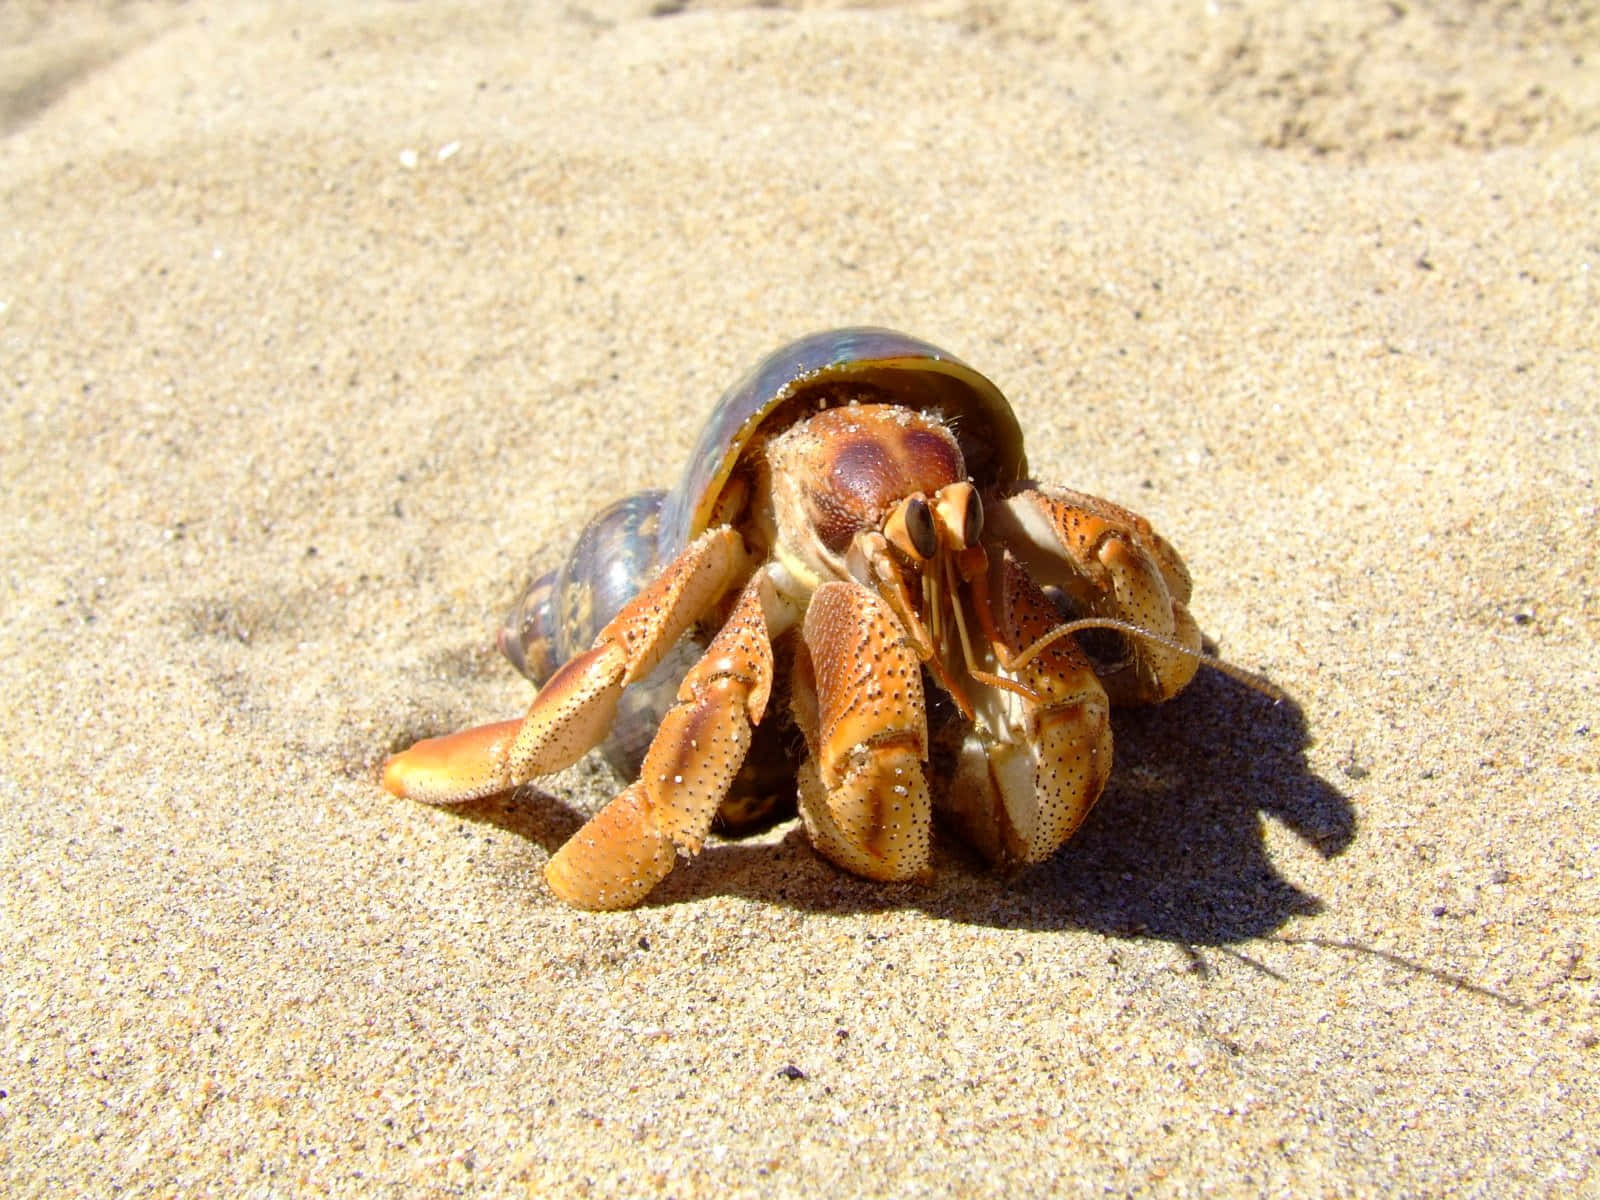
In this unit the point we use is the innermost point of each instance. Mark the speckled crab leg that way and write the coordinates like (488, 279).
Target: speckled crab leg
(1110, 563)
(858, 699)
(576, 707)
(629, 846)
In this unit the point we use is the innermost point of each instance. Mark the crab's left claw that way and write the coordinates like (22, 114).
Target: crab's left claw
(1105, 561)
(1035, 760)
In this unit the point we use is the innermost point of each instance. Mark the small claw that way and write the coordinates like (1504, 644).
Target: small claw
(1144, 599)
(1108, 563)
(454, 768)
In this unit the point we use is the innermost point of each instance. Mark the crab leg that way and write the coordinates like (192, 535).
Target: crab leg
(628, 846)
(576, 706)
(1033, 764)
(858, 700)
(1108, 562)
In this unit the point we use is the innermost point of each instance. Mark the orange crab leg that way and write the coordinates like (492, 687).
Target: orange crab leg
(464, 764)
(628, 846)
(858, 700)
(577, 705)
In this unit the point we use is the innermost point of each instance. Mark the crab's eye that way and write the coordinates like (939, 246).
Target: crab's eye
(910, 529)
(972, 520)
(961, 514)
(919, 527)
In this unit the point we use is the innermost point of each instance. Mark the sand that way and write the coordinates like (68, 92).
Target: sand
(321, 329)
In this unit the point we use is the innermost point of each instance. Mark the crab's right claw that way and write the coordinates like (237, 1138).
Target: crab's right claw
(858, 699)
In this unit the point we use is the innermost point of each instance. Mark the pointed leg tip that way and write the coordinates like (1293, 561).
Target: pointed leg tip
(422, 773)
(615, 860)
(454, 768)
(393, 776)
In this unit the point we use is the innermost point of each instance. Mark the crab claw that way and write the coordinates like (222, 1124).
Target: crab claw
(1035, 759)
(858, 700)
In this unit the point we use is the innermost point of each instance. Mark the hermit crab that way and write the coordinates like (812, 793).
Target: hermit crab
(854, 593)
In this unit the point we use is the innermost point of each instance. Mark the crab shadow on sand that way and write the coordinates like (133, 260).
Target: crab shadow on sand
(1174, 850)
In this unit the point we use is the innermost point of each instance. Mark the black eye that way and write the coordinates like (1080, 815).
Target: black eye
(919, 527)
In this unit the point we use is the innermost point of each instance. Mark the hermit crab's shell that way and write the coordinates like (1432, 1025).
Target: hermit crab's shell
(824, 368)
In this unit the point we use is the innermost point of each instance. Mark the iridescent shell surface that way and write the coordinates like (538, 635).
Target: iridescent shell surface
(788, 384)
(560, 613)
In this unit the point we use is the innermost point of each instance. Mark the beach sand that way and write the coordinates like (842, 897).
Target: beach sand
(320, 332)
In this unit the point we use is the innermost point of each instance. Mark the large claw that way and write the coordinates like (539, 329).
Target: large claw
(858, 700)
(1107, 562)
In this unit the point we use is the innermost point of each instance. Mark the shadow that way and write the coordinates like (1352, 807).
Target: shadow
(531, 814)
(47, 66)
(1174, 850)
